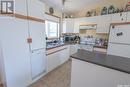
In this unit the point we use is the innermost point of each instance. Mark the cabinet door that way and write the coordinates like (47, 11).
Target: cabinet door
(37, 33)
(119, 17)
(38, 63)
(64, 55)
(128, 16)
(76, 26)
(36, 8)
(68, 26)
(13, 36)
(103, 24)
(53, 61)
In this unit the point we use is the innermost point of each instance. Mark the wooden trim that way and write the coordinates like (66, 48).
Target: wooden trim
(124, 23)
(21, 16)
(56, 51)
(35, 19)
(52, 15)
(10, 15)
(25, 17)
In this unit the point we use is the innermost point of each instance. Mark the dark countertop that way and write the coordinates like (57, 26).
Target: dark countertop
(109, 61)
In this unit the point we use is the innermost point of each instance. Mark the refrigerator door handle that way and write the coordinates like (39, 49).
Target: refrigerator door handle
(119, 34)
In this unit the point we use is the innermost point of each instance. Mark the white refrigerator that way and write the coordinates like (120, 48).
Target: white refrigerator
(119, 40)
(37, 49)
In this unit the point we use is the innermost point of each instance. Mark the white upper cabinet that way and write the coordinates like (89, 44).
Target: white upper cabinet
(36, 8)
(84, 21)
(103, 24)
(128, 16)
(20, 7)
(68, 26)
(119, 17)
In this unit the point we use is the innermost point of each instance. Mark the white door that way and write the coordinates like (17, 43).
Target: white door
(38, 63)
(119, 50)
(37, 33)
(120, 34)
(13, 36)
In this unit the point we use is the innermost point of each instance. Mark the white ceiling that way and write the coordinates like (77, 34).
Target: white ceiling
(73, 6)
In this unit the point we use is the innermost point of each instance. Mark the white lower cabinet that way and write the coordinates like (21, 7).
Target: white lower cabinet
(38, 63)
(56, 57)
(122, 50)
(64, 55)
(74, 48)
(52, 61)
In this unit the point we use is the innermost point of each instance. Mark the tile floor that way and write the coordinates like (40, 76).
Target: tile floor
(60, 77)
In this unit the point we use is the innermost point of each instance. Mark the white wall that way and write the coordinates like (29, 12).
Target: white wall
(0, 65)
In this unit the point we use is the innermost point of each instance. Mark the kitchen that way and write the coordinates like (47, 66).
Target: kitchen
(65, 43)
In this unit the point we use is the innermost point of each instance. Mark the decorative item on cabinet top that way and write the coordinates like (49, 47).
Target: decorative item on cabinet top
(91, 13)
(127, 6)
(24, 17)
(111, 9)
(104, 11)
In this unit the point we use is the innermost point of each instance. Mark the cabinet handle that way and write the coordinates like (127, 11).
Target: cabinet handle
(122, 19)
(119, 34)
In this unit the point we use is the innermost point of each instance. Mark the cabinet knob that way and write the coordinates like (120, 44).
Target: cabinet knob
(113, 26)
